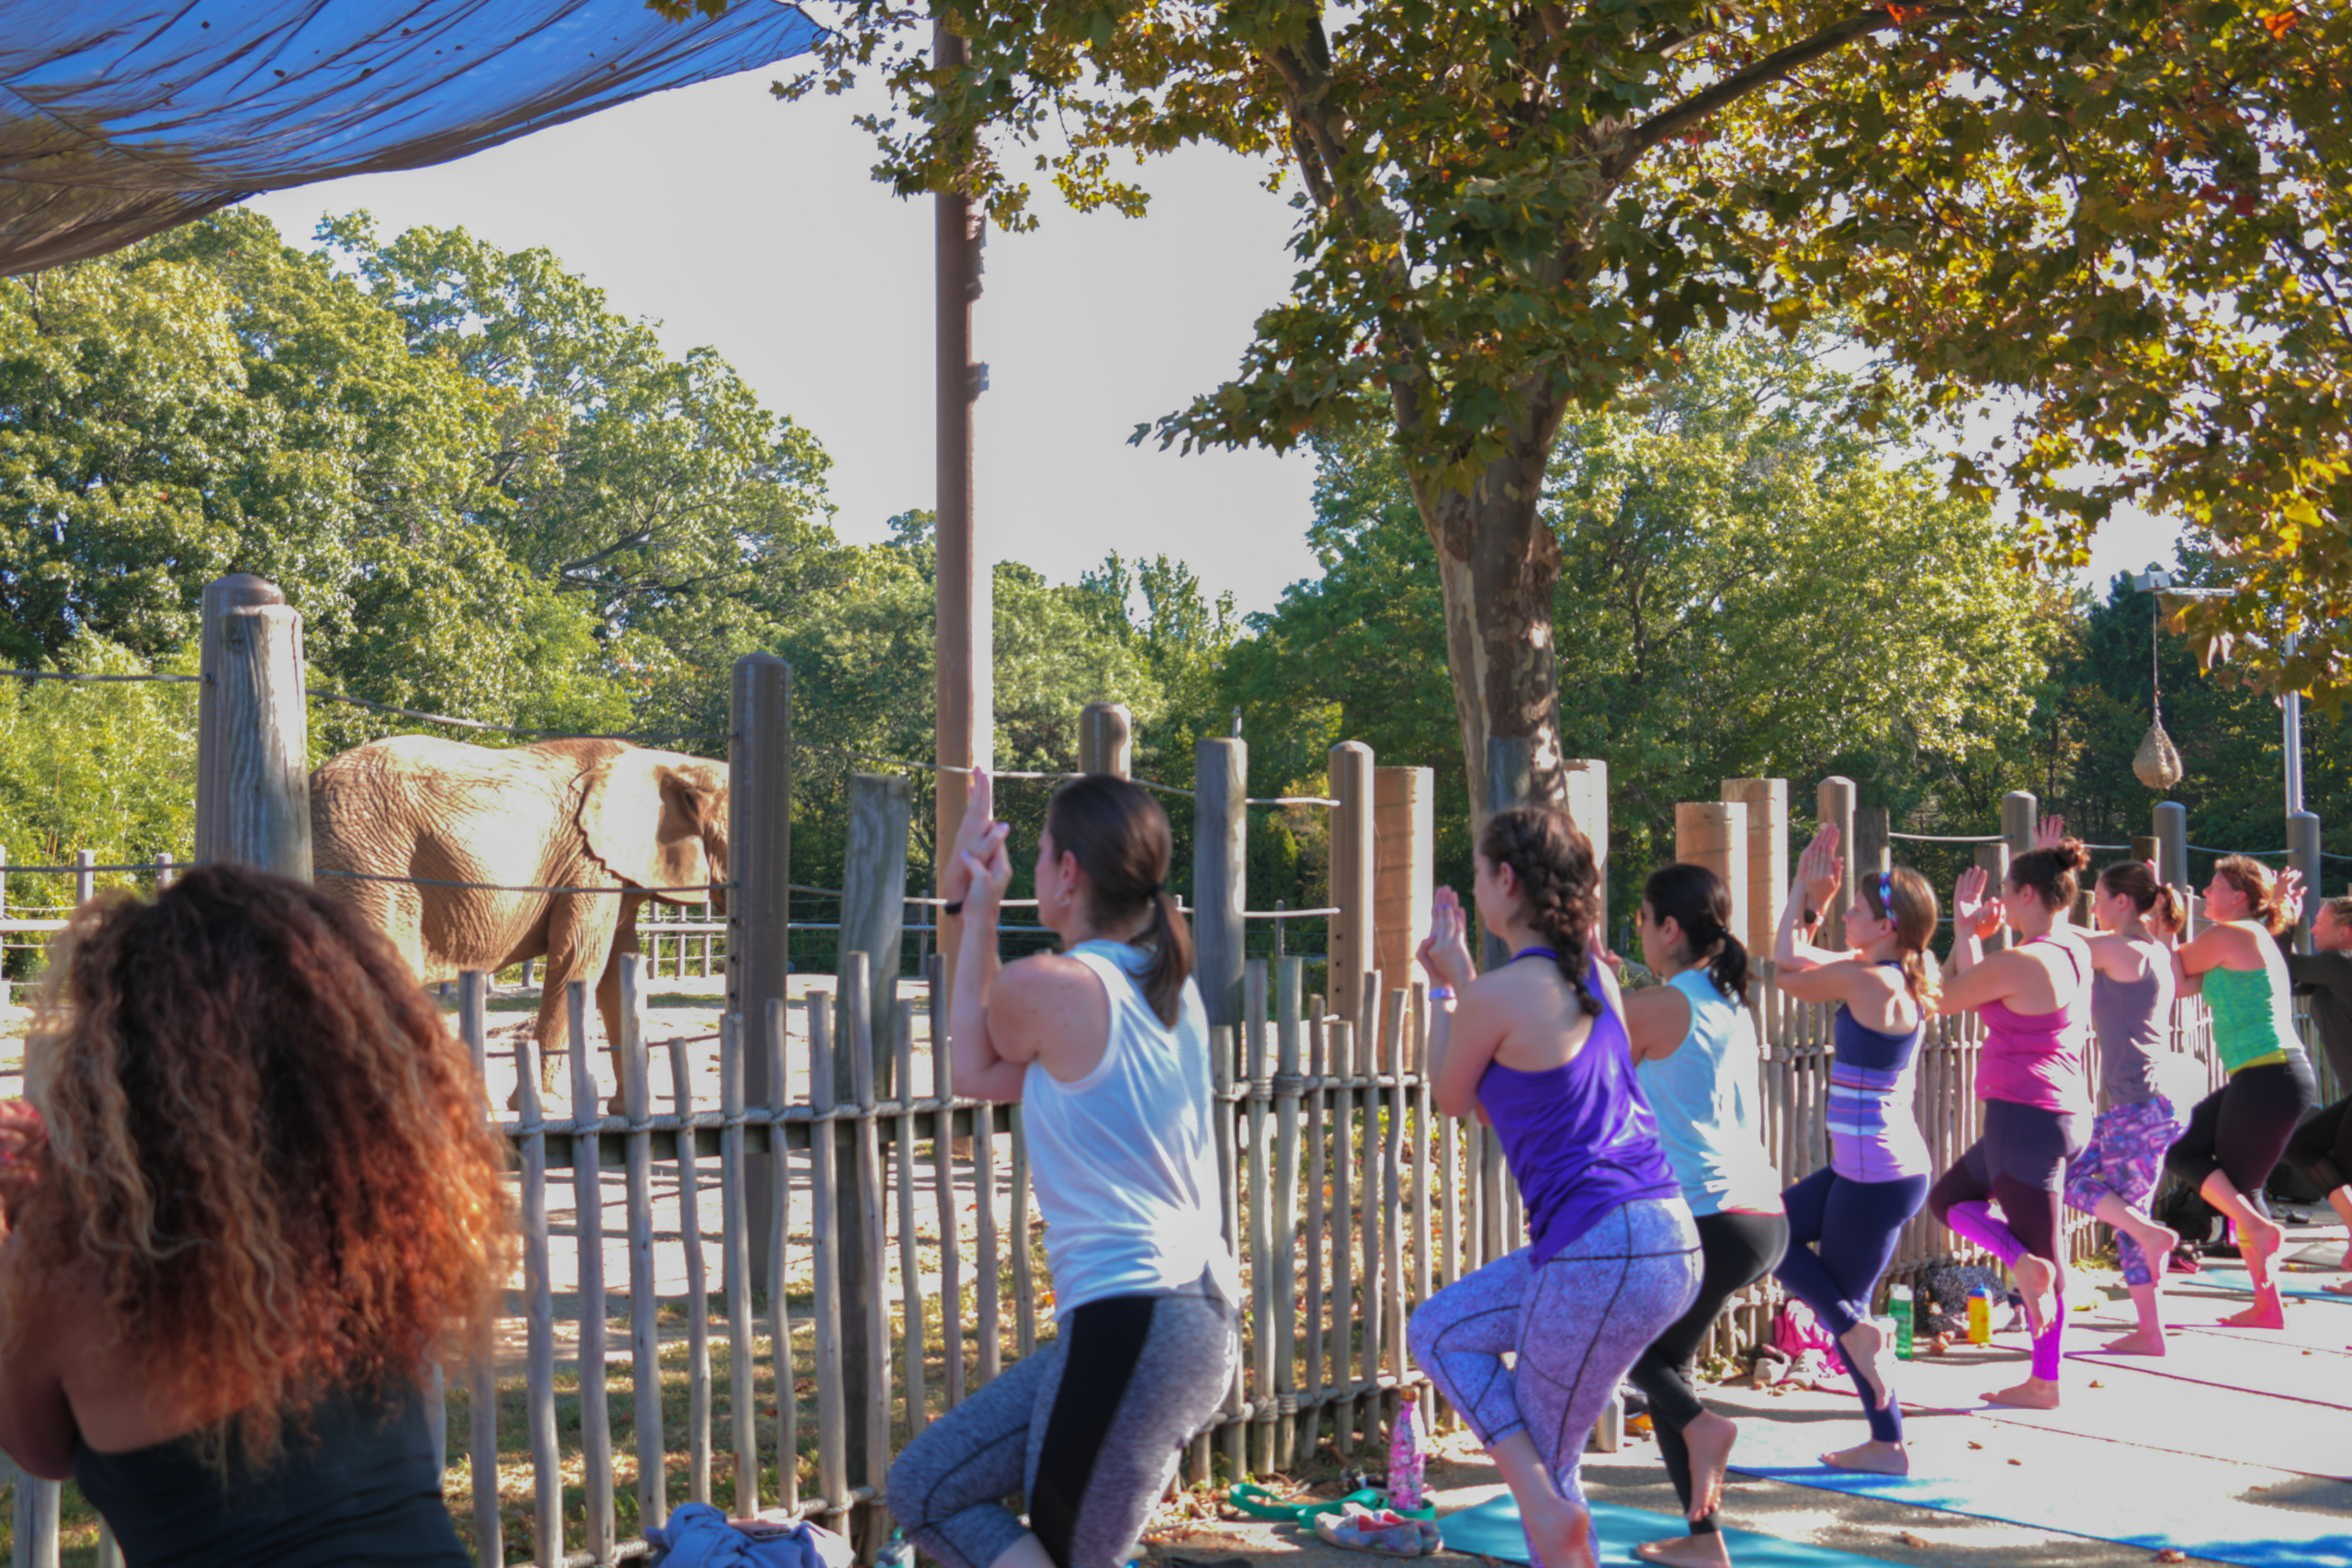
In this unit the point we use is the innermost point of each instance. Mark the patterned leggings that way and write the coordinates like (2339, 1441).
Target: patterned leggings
(2126, 1157)
(1575, 1322)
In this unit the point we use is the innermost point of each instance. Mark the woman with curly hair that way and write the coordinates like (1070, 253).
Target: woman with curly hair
(1538, 1050)
(2237, 1133)
(1843, 1219)
(2035, 1001)
(266, 1201)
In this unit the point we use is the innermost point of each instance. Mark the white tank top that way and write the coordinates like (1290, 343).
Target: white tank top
(1123, 1161)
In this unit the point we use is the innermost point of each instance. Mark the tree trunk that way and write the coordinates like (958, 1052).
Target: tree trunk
(1498, 561)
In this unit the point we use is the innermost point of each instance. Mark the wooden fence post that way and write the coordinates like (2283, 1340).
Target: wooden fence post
(874, 905)
(1588, 807)
(2020, 818)
(1995, 859)
(1768, 857)
(1220, 828)
(1404, 864)
(2302, 854)
(759, 864)
(1106, 740)
(1715, 834)
(1354, 861)
(239, 589)
(1510, 784)
(1836, 809)
(1872, 842)
(259, 810)
(2171, 825)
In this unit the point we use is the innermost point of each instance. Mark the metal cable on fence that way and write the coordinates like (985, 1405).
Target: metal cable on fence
(508, 728)
(2258, 855)
(503, 887)
(1292, 800)
(960, 767)
(11, 869)
(69, 676)
(1285, 914)
(1952, 837)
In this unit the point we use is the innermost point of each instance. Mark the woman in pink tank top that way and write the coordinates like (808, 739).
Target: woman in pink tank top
(2035, 1000)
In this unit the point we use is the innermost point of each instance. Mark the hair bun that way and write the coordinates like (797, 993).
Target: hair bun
(2075, 853)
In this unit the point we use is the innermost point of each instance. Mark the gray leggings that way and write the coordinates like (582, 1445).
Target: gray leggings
(1576, 1322)
(1087, 1429)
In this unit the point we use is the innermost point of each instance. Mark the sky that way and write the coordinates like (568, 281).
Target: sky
(752, 225)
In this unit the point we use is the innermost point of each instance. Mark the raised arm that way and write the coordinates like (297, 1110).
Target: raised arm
(981, 871)
(1463, 1032)
(1657, 1021)
(1819, 871)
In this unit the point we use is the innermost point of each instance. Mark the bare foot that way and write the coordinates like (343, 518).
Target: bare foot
(2139, 1342)
(2157, 1243)
(2341, 1288)
(2036, 1282)
(2267, 1311)
(2258, 1237)
(1866, 1352)
(2347, 1263)
(1877, 1458)
(1687, 1552)
(1709, 1439)
(2034, 1393)
(1558, 1533)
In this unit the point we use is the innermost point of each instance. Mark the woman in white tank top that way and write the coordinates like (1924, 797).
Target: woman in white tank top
(1107, 1045)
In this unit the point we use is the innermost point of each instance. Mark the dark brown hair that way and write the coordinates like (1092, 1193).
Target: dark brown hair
(2260, 886)
(2160, 905)
(1120, 838)
(1915, 914)
(1695, 898)
(1553, 860)
(2053, 874)
(267, 1146)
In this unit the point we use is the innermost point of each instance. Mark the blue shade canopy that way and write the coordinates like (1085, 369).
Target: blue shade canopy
(118, 118)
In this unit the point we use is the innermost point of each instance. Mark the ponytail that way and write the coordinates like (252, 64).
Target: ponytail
(2260, 886)
(1553, 860)
(1121, 840)
(1914, 912)
(1695, 899)
(2159, 904)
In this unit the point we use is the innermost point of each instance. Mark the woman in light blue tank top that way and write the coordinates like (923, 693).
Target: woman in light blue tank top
(1695, 1050)
(1107, 1045)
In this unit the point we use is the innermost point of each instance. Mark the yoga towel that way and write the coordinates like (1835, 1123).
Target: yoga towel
(2203, 1506)
(1491, 1529)
(2292, 1282)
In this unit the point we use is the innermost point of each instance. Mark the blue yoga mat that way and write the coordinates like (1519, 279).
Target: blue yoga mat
(2147, 1498)
(2291, 1283)
(1491, 1529)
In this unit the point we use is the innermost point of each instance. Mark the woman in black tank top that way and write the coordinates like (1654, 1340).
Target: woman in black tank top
(259, 1197)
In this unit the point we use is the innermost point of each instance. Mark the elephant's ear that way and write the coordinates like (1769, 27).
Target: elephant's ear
(644, 821)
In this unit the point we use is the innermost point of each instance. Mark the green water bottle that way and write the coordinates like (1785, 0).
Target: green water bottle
(1898, 1304)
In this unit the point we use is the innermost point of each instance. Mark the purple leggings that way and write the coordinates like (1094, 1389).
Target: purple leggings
(2125, 1157)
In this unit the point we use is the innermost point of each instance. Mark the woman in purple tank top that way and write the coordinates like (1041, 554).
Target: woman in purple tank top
(1537, 1050)
(2035, 1000)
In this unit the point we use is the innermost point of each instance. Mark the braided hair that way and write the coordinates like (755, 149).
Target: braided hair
(1695, 898)
(1553, 860)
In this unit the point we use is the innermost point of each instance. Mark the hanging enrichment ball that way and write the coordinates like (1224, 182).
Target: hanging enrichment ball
(2157, 762)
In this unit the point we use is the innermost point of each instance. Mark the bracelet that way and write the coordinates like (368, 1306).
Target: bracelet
(955, 909)
(1441, 993)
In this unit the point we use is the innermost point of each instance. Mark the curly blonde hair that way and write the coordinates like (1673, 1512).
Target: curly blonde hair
(267, 1147)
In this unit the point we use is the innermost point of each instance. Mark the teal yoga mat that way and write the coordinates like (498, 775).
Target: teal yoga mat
(2291, 1283)
(1491, 1529)
(2154, 1499)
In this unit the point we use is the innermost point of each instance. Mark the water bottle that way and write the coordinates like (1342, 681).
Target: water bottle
(1407, 1452)
(1980, 1316)
(899, 1553)
(1898, 1304)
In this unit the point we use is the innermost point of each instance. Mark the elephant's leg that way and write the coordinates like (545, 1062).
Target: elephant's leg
(608, 991)
(579, 946)
(551, 1029)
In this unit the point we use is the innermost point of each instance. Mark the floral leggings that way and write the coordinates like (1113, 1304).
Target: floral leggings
(2126, 1157)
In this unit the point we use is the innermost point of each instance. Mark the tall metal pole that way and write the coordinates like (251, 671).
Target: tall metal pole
(2294, 705)
(964, 606)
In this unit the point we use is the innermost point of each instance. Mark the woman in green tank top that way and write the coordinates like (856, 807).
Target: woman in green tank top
(2238, 1133)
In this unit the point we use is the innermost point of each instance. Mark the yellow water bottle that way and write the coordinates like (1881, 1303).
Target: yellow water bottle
(1980, 1316)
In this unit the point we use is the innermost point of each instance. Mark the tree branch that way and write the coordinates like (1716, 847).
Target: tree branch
(1772, 68)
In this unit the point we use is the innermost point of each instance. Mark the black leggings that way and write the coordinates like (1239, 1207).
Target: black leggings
(1734, 1250)
(2021, 1164)
(2242, 1128)
(2321, 1149)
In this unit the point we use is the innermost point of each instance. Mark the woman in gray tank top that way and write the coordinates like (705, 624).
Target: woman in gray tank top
(2131, 1000)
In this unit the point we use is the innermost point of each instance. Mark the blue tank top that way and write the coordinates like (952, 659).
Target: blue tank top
(1705, 1098)
(1580, 1138)
(1873, 1136)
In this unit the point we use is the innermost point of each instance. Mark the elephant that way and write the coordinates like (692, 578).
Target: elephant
(558, 814)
